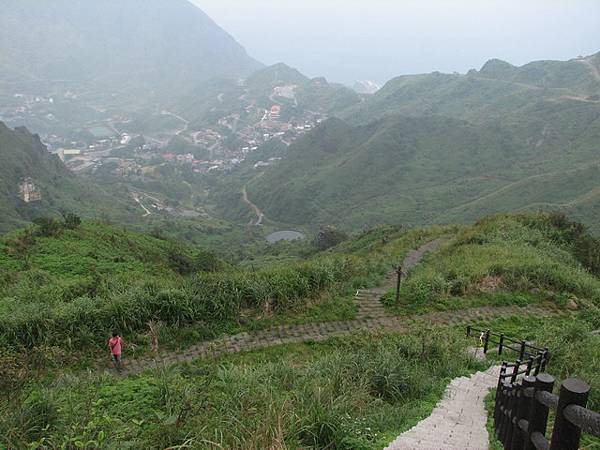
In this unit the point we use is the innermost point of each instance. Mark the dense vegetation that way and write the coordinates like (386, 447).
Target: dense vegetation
(545, 254)
(449, 148)
(23, 155)
(83, 282)
(354, 392)
(346, 394)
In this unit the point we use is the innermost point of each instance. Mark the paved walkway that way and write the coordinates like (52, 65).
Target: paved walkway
(369, 306)
(372, 317)
(288, 334)
(458, 422)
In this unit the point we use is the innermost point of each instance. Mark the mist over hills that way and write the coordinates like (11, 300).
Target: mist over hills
(123, 45)
(423, 148)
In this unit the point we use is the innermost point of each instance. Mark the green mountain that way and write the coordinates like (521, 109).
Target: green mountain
(142, 45)
(22, 157)
(218, 97)
(446, 148)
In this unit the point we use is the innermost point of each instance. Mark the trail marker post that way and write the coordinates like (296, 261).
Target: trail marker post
(398, 283)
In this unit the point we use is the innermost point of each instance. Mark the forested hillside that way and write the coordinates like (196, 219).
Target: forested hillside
(22, 156)
(446, 148)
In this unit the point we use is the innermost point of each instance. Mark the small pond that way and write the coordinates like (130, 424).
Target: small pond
(284, 236)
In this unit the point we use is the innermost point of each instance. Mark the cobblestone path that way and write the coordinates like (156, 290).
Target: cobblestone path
(372, 317)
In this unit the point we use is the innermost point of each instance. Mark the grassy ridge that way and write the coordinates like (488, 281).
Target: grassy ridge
(71, 289)
(74, 294)
(511, 254)
(355, 392)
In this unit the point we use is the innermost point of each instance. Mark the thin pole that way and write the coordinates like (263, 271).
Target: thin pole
(398, 283)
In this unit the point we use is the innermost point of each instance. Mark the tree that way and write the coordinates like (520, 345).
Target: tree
(71, 221)
(329, 236)
(47, 226)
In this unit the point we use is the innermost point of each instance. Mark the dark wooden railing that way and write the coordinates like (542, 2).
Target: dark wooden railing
(524, 399)
(538, 356)
(522, 409)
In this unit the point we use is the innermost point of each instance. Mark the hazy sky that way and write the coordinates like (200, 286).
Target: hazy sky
(346, 40)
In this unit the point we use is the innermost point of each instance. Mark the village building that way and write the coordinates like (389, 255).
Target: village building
(28, 191)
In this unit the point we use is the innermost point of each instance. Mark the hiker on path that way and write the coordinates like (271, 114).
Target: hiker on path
(115, 343)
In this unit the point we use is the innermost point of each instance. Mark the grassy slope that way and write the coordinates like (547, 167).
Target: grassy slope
(518, 254)
(87, 281)
(351, 393)
(502, 139)
(355, 392)
(23, 155)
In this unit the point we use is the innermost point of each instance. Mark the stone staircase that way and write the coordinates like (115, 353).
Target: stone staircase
(369, 306)
(368, 300)
(459, 420)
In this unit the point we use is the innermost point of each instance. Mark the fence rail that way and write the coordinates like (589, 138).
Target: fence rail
(531, 361)
(524, 349)
(524, 400)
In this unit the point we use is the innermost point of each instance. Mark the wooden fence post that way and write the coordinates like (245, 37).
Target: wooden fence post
(500, 429)
(504, 424)
(522, 351)
(565, 435)
(516, 369)
(468, 330)
(545, 359)
(398, 282)
(522, 411)
(538, 413)
(486, 342)
(501, 344)
(538, 366)
(497, 412)
(529, 365)
(512, 408)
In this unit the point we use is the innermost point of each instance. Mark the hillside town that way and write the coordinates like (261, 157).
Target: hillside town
(108, 145)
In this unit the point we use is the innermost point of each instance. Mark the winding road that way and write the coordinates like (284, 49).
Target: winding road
(259, 214)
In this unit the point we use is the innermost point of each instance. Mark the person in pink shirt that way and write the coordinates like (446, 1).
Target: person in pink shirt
(115, 343)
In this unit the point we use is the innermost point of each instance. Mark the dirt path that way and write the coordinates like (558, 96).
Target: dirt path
(593, 68)
(259, 214)
(367, 320)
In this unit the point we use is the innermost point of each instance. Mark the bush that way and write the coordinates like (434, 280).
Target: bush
(71, 221)
(47, 227)
(328, 237)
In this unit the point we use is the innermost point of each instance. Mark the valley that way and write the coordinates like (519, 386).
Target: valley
(201, 251)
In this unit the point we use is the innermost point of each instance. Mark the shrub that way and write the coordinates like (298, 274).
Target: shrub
(328, 237)
(47, 227)
(71, 221)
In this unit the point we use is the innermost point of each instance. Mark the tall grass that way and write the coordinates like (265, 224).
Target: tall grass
(523, 252)
(347, 393)
(202, 297)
